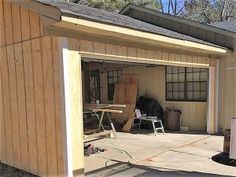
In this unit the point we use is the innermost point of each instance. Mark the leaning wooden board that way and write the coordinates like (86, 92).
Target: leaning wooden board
(126, 93)
(130, 118)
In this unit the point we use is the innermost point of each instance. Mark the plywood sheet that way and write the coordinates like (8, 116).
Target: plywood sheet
(131, 91)
(126, 93)
(119, 94)
(130, 118)
(128, 79)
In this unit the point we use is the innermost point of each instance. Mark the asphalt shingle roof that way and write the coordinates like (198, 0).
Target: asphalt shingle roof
(99, 15)
(229, 25)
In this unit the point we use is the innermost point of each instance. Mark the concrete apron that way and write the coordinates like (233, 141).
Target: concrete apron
(163, 152)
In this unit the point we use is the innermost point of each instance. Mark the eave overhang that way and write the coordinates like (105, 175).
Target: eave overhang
(108, 30)
(54, 19)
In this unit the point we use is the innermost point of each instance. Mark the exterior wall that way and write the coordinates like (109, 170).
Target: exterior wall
(152, 84)
(137, 54)
(30, 95)
(227, 86)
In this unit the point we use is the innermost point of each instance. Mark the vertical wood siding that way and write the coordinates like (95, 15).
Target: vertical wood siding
(122, 52)
(30, 94)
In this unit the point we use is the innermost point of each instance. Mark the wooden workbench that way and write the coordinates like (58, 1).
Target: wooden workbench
(103, 109)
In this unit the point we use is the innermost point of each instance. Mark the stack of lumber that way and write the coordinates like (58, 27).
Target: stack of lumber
(126, 93)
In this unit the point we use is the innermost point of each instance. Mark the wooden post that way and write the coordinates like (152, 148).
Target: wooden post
(73, 111)
(212, 99)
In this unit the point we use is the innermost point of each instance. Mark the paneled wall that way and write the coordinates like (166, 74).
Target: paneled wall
(194, 114)
(30, 94)
(124, 52)
(151, 81)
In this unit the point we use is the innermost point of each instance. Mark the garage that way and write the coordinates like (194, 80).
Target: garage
(71, 59)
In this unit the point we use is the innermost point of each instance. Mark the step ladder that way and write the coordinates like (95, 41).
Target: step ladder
(156, 123)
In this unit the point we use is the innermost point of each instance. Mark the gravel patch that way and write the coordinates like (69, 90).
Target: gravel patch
(7, 171)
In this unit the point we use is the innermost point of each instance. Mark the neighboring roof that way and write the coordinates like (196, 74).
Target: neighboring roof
(98, 15)
(229, 25)
(176, 19)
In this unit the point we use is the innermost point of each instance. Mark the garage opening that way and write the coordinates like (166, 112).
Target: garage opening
(117, 87)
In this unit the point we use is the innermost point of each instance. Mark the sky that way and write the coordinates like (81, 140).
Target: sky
(165, 4)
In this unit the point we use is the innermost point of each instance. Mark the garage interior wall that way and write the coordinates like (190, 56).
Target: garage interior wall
(151, 80)
(30, 94)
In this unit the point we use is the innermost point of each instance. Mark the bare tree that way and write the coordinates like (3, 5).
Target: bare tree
(208, 11)
(173, 7)
(203, 11)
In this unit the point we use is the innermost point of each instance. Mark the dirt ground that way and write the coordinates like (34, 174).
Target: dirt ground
(7, 171)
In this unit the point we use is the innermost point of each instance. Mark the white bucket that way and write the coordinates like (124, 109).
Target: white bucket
(232, 154)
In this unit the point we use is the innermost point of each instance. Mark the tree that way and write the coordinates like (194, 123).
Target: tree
(203, 11)
(209, 11)
(117, 5)
(226, 9)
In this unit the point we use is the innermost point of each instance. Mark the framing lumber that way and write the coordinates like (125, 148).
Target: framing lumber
(97, 135)
(107, 110)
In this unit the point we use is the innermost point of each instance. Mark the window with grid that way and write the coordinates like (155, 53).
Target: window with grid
(113, 77)
(186, 84)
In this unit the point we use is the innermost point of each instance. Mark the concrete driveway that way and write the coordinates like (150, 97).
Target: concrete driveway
(163, 155)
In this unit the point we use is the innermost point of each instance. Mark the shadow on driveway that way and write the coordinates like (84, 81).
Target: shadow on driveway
(123, 169)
